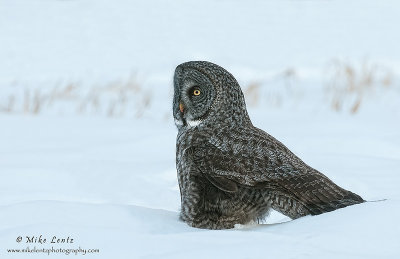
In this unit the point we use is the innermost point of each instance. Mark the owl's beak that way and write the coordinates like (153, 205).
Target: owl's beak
(181, 107)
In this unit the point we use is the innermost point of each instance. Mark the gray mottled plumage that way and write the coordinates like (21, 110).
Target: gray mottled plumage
(231, 172)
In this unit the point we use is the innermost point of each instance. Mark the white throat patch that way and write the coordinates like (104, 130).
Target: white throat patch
(193, 123)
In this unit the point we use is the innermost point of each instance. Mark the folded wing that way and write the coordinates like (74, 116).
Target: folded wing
(295, 189)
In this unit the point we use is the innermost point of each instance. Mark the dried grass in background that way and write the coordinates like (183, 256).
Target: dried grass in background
(113, 99)
(351, 83)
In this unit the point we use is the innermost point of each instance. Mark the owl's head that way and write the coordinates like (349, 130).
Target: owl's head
(207, 94)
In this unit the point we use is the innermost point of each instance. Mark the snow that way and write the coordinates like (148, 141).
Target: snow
(110, 183)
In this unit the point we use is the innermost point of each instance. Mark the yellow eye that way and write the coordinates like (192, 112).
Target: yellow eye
(196, 92)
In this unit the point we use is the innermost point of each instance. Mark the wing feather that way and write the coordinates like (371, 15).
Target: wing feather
(273, 168)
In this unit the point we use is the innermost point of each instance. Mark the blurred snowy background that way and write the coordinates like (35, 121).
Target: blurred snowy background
(87, 140)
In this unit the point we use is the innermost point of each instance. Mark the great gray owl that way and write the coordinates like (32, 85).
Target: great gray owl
(229, 171)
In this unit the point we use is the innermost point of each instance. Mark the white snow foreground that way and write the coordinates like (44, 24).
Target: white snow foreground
(110, 184)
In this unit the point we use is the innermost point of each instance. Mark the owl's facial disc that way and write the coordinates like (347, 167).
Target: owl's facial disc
(205, 93)
(194, 95)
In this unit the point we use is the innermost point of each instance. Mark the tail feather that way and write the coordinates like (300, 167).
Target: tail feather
(296, 207)
(348, 199)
